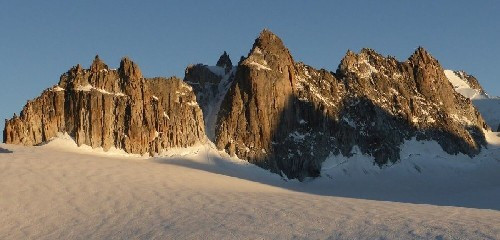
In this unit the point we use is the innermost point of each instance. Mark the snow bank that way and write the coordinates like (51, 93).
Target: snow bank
(260, 66)
(462, 87)
(65, 143)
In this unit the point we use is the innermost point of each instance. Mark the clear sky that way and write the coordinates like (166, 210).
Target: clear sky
(39, 40)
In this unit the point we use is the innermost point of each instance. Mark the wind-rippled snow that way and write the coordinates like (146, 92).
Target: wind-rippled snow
(60, 191)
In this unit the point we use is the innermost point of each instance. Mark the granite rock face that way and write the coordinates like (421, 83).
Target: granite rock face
(40, 120)
(258, 103)
(101, 107)
(288, 117)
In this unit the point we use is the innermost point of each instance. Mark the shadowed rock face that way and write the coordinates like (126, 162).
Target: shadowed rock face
(108, 108)
(288, 117)
(225, 62)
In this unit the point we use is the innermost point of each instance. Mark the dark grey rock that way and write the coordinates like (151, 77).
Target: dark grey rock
(225, 62)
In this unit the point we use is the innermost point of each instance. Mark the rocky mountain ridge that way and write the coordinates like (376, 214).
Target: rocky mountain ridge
(277, 113)
(103, 107)
(288, 117)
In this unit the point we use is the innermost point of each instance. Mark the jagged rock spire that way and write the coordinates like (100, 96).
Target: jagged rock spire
(257, 101)
(421, 56)
(269, 42)
(269, 50)
(242, 58)
(113, 108)
(98, 65)
(129, 69)
(225, 62)
(277, 110)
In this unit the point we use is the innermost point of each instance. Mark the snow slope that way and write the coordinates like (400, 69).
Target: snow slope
(213, 106)
(59, 191)
(463, 87)
(489, 107)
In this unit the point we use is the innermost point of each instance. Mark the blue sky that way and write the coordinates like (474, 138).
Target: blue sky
(39, 40)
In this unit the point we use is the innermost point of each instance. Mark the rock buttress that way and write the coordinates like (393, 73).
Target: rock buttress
(102, 107)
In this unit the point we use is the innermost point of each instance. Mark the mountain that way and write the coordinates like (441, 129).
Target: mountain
(103, 107)
(270, 110)
(288, 117)
(469, 87)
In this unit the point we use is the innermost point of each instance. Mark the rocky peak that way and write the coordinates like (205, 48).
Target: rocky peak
(360, 67)
(70, 74)
(259, 99)
(242, 58)
(281, 115)
(269, 44)
(288, 116)
(77, 69)
(268, 39)
(98, 65)
(422, 57)
(129, 69)
(431, 80)
(225, 62)
(99, 109)
(270, 57)
(370, 52)
(348, 59)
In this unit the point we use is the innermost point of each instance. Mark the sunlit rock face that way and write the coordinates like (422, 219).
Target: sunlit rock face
(103, 107)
